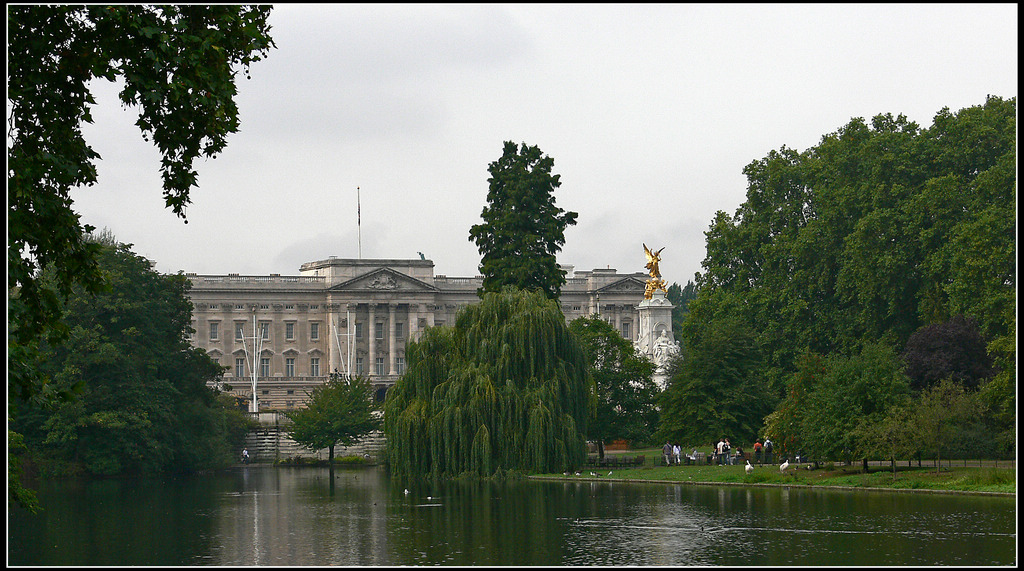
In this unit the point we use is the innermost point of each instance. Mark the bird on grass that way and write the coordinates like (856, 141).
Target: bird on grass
(749, 468)
(406, 492)
(609, 473)
(782, 468)
(593, 474)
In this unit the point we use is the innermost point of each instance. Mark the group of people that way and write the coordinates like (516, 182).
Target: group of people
(722, 453)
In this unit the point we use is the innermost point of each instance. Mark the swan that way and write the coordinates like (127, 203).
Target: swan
(749, 468)
(784, 465)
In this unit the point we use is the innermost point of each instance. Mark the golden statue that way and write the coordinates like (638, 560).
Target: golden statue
(655, 283)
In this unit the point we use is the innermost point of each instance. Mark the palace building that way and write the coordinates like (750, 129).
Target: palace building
(357, 316)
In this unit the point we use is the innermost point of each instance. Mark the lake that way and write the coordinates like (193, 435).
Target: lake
(260, 515)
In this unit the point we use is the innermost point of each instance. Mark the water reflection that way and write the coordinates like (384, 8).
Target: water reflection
(300, 516)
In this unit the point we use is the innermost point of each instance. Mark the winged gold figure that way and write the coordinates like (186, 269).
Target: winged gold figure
(652, 261)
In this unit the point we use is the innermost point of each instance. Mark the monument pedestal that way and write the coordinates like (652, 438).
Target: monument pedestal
(654, 336)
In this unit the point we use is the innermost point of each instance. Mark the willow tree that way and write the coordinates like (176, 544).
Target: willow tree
(504, 388)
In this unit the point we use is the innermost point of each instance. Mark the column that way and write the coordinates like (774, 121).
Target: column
(392, 347)
(351, 347)
(334, 362)
(371, 332)
(414, 322)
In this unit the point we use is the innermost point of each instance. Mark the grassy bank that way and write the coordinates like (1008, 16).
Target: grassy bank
(976, 479)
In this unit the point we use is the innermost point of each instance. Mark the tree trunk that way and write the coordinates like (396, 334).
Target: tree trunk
(865, 461)
(600, 449)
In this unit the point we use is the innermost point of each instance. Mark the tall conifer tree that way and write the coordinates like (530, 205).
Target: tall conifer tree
(522, 229)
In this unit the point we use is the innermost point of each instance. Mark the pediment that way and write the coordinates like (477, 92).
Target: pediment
(383, 280)
(625, 285)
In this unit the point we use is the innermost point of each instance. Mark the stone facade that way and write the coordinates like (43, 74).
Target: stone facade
(357, 316)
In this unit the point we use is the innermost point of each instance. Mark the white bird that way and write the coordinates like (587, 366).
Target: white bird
(749, 468)
(406, 491)
(609, 473)
(593, 474)
(784, 465)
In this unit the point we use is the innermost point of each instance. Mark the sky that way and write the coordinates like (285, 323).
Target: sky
(650, 112)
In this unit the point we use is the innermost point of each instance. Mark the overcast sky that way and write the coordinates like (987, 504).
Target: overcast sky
(650, 113)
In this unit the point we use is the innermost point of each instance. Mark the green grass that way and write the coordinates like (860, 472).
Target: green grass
(949, 478)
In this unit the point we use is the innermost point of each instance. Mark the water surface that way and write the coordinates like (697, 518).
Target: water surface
(299, 516)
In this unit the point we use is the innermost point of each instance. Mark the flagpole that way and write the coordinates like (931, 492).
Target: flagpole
(359, 225)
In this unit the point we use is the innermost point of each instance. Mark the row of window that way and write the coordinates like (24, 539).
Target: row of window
(379, 366)
(289, 330)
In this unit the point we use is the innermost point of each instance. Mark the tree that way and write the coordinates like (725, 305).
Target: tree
(522, 229)
(953, 349)
(625, 392)
(144, 405)
(340, 411)
(718, 389)
(889, 437)
(880, 229)
(505, 388)
(939, 414)
(842, 393)
(680, 298)
(178, 63)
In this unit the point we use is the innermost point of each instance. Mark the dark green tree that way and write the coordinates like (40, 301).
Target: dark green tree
(144, 405)
(626, 394)
(178, 63)
(681, 298)
(830, 398)
(522, 229)
(717, 389)
(880, 229)
(338, 412)
(505, 388)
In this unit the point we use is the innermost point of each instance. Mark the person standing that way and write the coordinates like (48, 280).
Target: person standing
(768, 450)
(666, 451)
(245, 456)
(757, 451)
(677, 453)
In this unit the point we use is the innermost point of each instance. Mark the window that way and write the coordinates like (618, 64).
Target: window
(289, 331)
(266, 391)
(239, 328)
(265, 367)
(214, 331)
(290, 391)
(399, 331)
(239, 367)
(289, 367)
(359, 330)
(399, 365)
(625, 330)
(359, 365)
(379, 365)
(378, 330)
(264, 306)
(289, 404)
(314, 366)
(314, 331)
(264, 330)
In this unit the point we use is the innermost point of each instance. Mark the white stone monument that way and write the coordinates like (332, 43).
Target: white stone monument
(654, 336)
